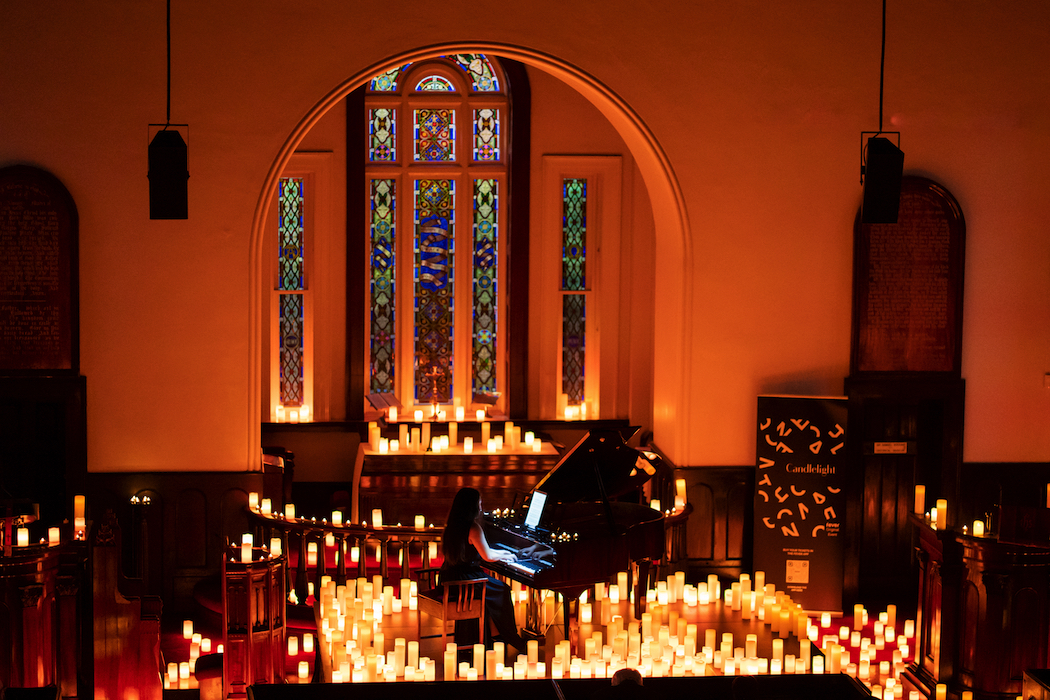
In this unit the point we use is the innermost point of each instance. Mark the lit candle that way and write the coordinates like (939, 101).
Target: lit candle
(485, 432)
(79, 527)
(417, 416)
(293, 646)
(279, 413)
(247, 541)
(978, 528)
(420, 522)
(311, 554)
(392, 414)
(920, 499)
(453, 434)
(304, 670)
(461, 413)
(395, 445)
(537, 445)
(377, 518)
(308, 643)
(479, 415)
(679, 494)
(942, 514)
(941, 692)
(655, 504)
(304, 413)
(289, 511)
(266, 506)
(293, 415)
(187, 629)
(384, 446)
(78, 506)
(23, 537)
(468, 445)
(53, 536)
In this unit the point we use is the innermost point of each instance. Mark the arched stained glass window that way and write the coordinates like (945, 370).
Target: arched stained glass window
(434, 206)
(434, 83)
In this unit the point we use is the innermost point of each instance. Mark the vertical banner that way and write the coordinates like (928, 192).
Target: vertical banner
(800, 503)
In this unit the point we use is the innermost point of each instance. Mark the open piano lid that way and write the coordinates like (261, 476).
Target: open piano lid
(600, 454)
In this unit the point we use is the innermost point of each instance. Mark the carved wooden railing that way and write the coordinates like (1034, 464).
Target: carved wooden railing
(395, 543)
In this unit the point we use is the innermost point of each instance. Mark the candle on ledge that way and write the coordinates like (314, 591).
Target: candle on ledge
(377, 517)
(468, 445)
(289, 511)
(453, 433)
(460, 414)
(978, 528)
(279, 413)
(920, 499)
(337, 517)
(79, 528)
(304, 413)
(942, 514)
(420, 522)
(247, 541)
(293, 415)
(933, 518)
(23, 537)
(253, 500)
(53, 536)
(485, 432)
(537, 445)
(479, 415)
(417, 416)
(266, 507)
(276, 547)
(78, 506)
(384, 446)
(391, 414)
(395, 446)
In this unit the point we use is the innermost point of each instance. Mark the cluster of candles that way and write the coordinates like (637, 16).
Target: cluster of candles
(580, 411)
(180, 675)
(937, 517)
(664, 642)
(292, 414)
(412, 439)
(54, 534)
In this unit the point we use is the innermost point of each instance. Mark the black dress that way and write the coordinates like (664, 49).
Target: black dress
(498, 605)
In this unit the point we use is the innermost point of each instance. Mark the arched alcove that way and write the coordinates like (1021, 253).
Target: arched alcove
(671, 356)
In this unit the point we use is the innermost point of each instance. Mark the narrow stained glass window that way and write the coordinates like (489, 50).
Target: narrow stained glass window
(383, 300)
(435, 134)
(574, 281)
(290, 286)
(382, 126)
(486, 134)
(486, 227)
(435, 296)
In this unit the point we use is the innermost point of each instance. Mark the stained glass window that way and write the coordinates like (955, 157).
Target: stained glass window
(434, 83)
(574, 280)
(486, 134)
(383, 300)
(435, 134)
(387, 82)
(486, 226)
(435, 295)
(382, 125)
(574, 235)
(290, 285)
(425, 364)
(480, 70)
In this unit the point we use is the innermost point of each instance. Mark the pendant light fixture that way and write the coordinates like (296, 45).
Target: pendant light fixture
(881, 162)
(168, 171)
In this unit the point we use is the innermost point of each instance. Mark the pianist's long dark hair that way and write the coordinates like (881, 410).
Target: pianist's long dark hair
(465, 511)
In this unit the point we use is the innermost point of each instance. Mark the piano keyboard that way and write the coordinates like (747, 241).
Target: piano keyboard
(526, 566)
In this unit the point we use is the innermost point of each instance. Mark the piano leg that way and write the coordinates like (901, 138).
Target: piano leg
(641, 587)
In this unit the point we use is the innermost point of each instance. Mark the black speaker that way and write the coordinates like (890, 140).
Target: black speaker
(882, 182)
(168, 176)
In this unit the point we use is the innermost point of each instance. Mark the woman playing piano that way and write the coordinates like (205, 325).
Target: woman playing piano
(463, 546)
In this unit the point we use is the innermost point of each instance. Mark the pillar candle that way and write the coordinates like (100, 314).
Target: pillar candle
(377, 517)
(266, 507)
(468, 445)
(453, 433)
(920, 499)
(413, 440)
(485, 431)
(392, 414)
(53, 536)
(78, 506)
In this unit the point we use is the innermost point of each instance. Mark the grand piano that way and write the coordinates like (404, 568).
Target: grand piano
(590, 535)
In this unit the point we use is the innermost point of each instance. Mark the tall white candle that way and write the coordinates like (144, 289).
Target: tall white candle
(78, 506)
(392, 414)
(23, 537)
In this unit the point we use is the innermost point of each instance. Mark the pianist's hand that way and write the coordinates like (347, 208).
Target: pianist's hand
(503, 555)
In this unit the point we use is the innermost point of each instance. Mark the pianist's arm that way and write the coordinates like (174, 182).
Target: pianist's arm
(477, 538)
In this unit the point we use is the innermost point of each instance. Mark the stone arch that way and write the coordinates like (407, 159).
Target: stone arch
(671, 356)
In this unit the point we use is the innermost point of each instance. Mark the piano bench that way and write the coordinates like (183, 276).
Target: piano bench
(452, 601)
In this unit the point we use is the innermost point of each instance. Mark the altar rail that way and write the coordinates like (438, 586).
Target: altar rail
(297, 534)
